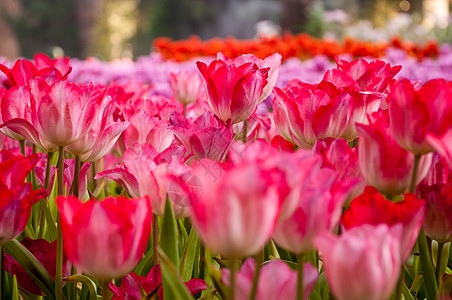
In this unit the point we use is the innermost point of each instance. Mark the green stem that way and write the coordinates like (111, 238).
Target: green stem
(185, 110)
(233, 278)
(60, 170)
(59, 263)
(400, 284)
(77, 175)
(439, 262)
(245, 130)
(300, 277)
(105, 290)
(417, 159)
(22, 147)
(431, 288)
(202, 261)
(259, 260)
(155, 240)
(355, 143)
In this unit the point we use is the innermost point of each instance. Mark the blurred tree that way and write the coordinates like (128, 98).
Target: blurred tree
(45, 24)
(9, 46)
(295, 14)
(87, 12)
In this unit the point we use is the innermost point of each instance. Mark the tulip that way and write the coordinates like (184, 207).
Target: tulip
(276, 280)
(319, 209)
(372, 208)
(105, 239)
(146, 172)
(273, 62)
(236, 210)
(362, 263)
(384, 164)
(132, 285)
(186, 86)
(373, 76)
(206, 137)
(17, 197)
(233, 91)
(62, 64)
(437, 221)
(415, 114)
(45, 252)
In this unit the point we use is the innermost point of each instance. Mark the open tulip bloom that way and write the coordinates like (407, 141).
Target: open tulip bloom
(340, 187)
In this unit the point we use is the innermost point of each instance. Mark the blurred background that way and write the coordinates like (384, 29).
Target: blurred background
(110, 29)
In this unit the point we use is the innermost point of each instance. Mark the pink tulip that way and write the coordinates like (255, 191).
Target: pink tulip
(62, 64)
(206, 137)
(21, 73)
(107, 238)
(305, 113)
(17, 197)
(186, 86)
(63, 112)
(146, 172)
(384, 164)
(273, 62)
(437, 219)
(372, 208)
(101, 137)
(236, 209)
(417, 113)
(15, 103)
(373, 76)
(276, 280)
(144, 128)
(362, 263)
(319, 209)
(233, 90)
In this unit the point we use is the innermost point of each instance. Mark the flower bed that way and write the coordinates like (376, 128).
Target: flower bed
(231, 178)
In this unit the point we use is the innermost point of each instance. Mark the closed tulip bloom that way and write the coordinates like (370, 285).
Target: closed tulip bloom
(14, 103)
(437, 219)
(186, 86)
(233, 90)
(372, 208)
(362, 263)
(105, 239)
(235, 212)
(276, 280)
(384, 164)
(418, 113)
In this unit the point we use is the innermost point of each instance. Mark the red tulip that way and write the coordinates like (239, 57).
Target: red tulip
(17, 197)
(437, 219)
(362, 263)
(45, 252)
(417, 113)
(107, 238)
(131, 285)
(233, 90)
(372, 208)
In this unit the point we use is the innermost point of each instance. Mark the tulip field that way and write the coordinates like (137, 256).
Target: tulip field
(286, 168)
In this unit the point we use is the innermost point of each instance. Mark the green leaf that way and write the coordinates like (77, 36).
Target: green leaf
(15, 295)
(32, 266)
(191, 252)
(145, 264)
(91, 285)
(173, 287)
(406, 292)
(168, 235)
(416, 285)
